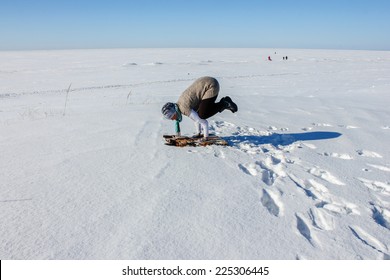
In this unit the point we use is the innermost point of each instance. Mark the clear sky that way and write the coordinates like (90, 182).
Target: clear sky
(68, 24)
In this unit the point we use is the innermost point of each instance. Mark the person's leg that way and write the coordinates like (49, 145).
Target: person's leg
(208, 108)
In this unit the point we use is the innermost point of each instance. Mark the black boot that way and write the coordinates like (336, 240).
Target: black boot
(227, 103)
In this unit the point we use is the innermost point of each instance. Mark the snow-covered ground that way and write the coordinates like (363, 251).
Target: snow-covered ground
(306, 175)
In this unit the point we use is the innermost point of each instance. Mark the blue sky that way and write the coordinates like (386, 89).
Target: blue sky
(68, 24)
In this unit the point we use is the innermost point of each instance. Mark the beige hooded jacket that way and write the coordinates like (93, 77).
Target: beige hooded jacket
(202, 88)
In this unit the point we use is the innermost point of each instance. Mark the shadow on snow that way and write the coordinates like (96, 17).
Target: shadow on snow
(277, 139)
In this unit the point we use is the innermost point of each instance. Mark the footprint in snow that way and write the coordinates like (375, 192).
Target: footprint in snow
(219, 154)
(381, 216)
(309, 145)
(324, 200)
(348, 126)
(325, 175)
(271, 201)
(220, 124)
(249, 169)
(312, 189)
(366, 153)
(322, 124)
(304, 228)
(271, 170)
(377, 186)
(370, 240)
(337, 155)
(268, 177)
(379, 167)
(274, 164)
(321, 219)
(341, 208)
(274, 128)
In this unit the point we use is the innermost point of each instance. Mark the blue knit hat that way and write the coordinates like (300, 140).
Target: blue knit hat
(169, 110)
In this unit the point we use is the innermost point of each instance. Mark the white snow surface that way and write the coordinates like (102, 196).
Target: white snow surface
(305, 175)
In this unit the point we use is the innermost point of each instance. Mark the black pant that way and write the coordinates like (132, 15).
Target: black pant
(208, 108)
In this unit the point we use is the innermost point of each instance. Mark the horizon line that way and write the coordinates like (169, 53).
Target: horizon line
(125, 48)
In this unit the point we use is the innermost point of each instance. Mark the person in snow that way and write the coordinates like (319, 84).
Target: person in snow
(198, 103)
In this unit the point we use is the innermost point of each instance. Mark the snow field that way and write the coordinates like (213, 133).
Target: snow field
(306, 175)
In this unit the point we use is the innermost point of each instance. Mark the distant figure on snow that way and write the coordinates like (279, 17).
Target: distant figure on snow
(198, 103)
(269, 58)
